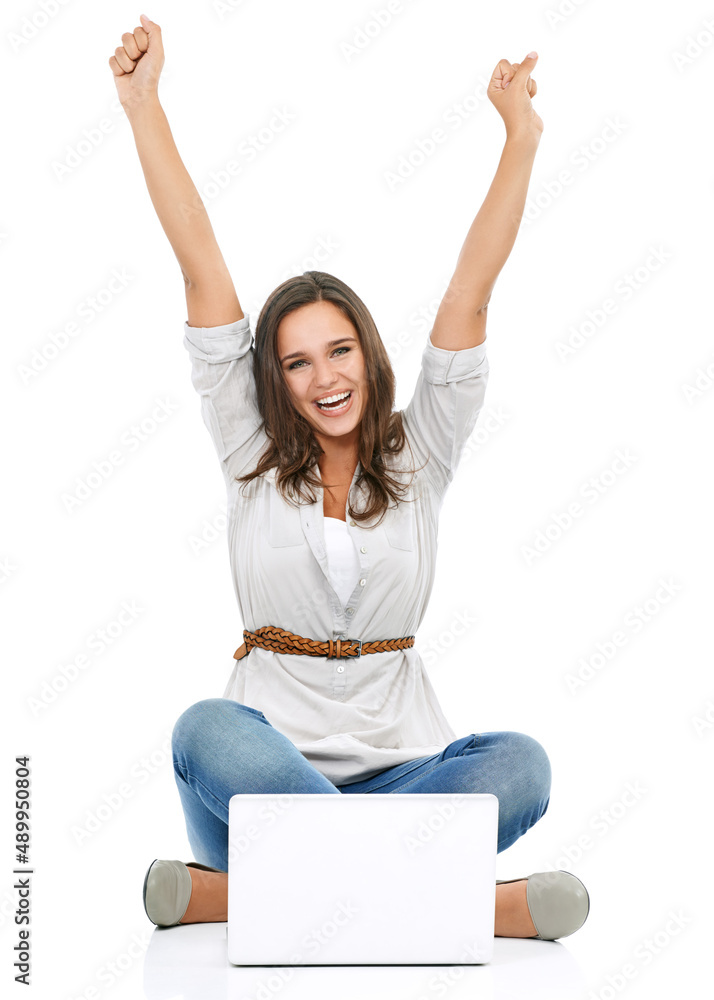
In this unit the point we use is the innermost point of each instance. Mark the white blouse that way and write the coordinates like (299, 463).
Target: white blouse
(342, 558)
(355, 716)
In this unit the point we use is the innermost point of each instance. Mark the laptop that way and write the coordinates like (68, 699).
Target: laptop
(362, 879)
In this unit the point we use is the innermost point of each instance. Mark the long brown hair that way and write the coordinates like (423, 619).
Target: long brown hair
(293, 448)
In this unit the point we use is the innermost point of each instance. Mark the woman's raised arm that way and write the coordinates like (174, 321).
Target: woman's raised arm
(460, 321)
(210, 294)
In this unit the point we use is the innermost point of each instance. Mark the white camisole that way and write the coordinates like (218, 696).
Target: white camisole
(342, 558)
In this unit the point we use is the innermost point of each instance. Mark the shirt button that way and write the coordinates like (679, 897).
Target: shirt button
(352, 523)
(350, 611)
(340, 669)
(363, 548)
(362, 583)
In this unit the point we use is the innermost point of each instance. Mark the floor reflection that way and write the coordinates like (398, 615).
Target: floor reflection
(191, 962)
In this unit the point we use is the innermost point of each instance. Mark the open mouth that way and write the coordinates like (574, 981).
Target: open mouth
(335, 403)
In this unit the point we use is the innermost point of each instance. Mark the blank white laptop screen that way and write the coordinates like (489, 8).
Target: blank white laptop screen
(390, 879)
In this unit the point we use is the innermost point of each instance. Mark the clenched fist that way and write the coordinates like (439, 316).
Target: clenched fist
(510, 90)
(137, 63)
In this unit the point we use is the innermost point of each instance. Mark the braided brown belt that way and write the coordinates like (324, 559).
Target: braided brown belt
(279, 640)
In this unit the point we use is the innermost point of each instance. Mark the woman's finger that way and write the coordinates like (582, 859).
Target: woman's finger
(531, 86)
(514, 70)
(524, 69)
(505, 72)
(123, 59)
(142, 39)
(502, 72)
(130, 46)
(115, 67)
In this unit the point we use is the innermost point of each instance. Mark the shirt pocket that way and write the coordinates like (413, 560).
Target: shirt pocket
(400, 526)
(285, 524)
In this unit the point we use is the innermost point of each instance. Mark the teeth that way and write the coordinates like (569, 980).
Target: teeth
(332, 399)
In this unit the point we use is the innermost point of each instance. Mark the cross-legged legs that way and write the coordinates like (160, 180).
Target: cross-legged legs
(510, 765)
(222, 748)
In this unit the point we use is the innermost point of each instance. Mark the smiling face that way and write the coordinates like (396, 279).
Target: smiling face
(320, 356)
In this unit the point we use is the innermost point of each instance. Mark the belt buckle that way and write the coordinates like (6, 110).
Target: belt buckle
(359, 646)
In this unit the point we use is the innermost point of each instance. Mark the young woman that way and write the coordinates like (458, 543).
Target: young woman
(334, 502)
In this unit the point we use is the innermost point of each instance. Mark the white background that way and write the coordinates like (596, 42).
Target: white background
(608, 209)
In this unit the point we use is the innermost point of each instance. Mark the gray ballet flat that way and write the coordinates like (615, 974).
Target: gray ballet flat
(558, 903)
(167, 890)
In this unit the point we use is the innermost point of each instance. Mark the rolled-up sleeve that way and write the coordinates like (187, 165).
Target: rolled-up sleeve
(222, 374)
(442, 413)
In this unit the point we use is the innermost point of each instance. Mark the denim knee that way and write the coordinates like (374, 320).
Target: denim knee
(191, 721)
(209, 723)
(204, 723)
(530, 768)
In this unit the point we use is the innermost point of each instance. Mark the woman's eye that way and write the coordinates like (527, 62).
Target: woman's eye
(290, 367)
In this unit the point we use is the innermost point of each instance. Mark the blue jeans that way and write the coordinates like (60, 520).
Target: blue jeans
(222, 748)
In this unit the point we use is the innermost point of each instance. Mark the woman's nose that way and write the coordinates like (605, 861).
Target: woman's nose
(325, 377)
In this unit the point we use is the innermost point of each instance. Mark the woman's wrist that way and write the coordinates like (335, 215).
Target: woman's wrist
(141, 103)
(525, 139)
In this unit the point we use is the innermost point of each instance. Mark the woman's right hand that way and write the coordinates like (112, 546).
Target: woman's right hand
(137, 63)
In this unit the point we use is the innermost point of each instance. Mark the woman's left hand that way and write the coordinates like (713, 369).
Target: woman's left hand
(510, 90)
